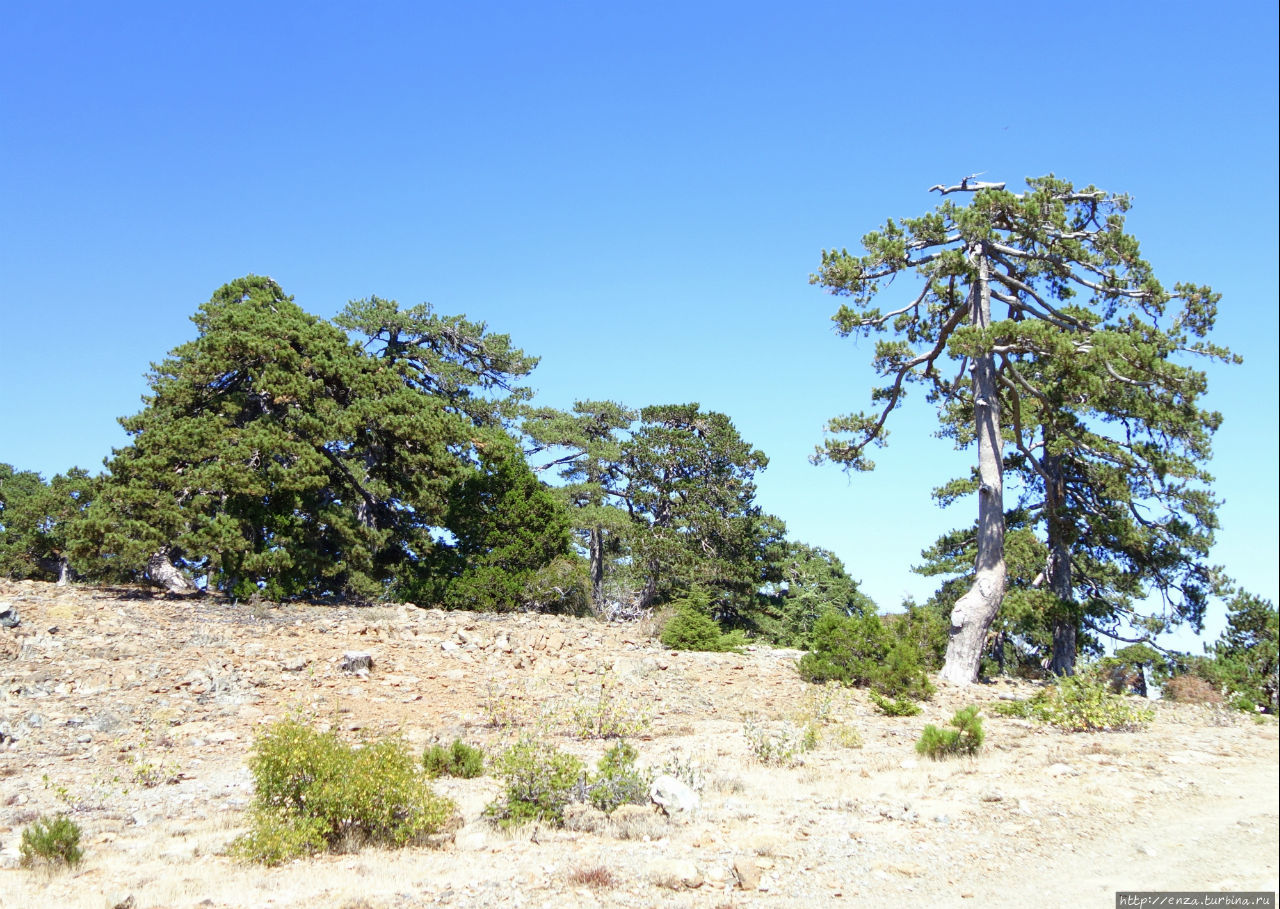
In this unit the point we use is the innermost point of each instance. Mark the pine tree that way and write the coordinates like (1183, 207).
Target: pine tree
(1090, 342)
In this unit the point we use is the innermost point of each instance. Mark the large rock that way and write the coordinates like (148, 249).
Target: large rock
(9, 616)
(674, 797)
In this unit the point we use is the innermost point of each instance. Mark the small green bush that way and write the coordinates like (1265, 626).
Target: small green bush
(459, 759)
(965, 738)
(895, 707)
(617, 781)
(55, 841)
(312, 791)
(859, 650)
(539, 782)
(1080, 703)
(692, 628)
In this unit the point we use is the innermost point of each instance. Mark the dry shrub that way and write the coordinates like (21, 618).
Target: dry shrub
(1190, 689)
(597, 877)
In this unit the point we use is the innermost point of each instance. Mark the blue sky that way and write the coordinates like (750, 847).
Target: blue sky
(635, 192)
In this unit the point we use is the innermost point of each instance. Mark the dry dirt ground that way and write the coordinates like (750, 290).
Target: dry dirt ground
(107, 691)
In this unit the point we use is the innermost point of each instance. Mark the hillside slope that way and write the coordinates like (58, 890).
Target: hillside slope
(109, 690)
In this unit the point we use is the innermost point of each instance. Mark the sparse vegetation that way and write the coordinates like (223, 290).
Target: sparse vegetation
(1080, 703)
(459, 759)
(607, 715)
(895, 706)
(964, 739)
(779, 744)
(315, 792)
(53, 841)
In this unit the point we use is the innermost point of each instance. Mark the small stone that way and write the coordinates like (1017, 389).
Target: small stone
(357, 661)
(9, 615)
(294, 664)
(678, 873)
(123, 901)
(674, 797)
(1061, 770)
(747, 872)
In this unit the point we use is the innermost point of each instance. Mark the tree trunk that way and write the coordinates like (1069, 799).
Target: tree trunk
(163, 573)
(597, 567)
(975, 611)
(1058, 567)
(64, 571)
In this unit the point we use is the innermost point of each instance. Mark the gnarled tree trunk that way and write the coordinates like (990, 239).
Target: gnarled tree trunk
(975, 611)
(163, 573)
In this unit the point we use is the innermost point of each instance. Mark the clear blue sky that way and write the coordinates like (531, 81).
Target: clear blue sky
(636, 192)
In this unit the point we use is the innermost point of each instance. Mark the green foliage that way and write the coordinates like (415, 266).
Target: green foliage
(52, 840)
(1080, 703)
(539, 781)
(1244, 659)
(691, 628)
(896, 707)
(509, 527)
(663, 501)
(803, 583)
(965, 739)
(459, 759)
(859, 650)
(36, 520)
(617, 780)
(276, 456)
(313, 791)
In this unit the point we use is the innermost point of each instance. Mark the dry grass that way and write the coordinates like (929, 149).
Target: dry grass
(597, 877)
(1191, 689)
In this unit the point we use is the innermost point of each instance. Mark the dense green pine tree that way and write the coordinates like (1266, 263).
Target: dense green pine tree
(510, 531)
(272, 451)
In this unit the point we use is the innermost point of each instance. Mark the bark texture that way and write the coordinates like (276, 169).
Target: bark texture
(163, 573)
(975, 611)
(1058, 568)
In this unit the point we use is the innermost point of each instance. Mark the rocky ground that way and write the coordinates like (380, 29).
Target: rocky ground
(134, 713)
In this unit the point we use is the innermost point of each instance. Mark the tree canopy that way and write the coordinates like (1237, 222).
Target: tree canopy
(275, 453)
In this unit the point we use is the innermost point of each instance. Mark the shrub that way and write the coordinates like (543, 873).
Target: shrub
(55, 841)
(608, 716)
(312, 791)
(779, 747)
(617, 781)
(459, 759)
(896, 707)
(1190, 689)
(597, 877)
(859, 650)
(1080, 703)
(539, 783)
(965, 738)
(692, 628)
